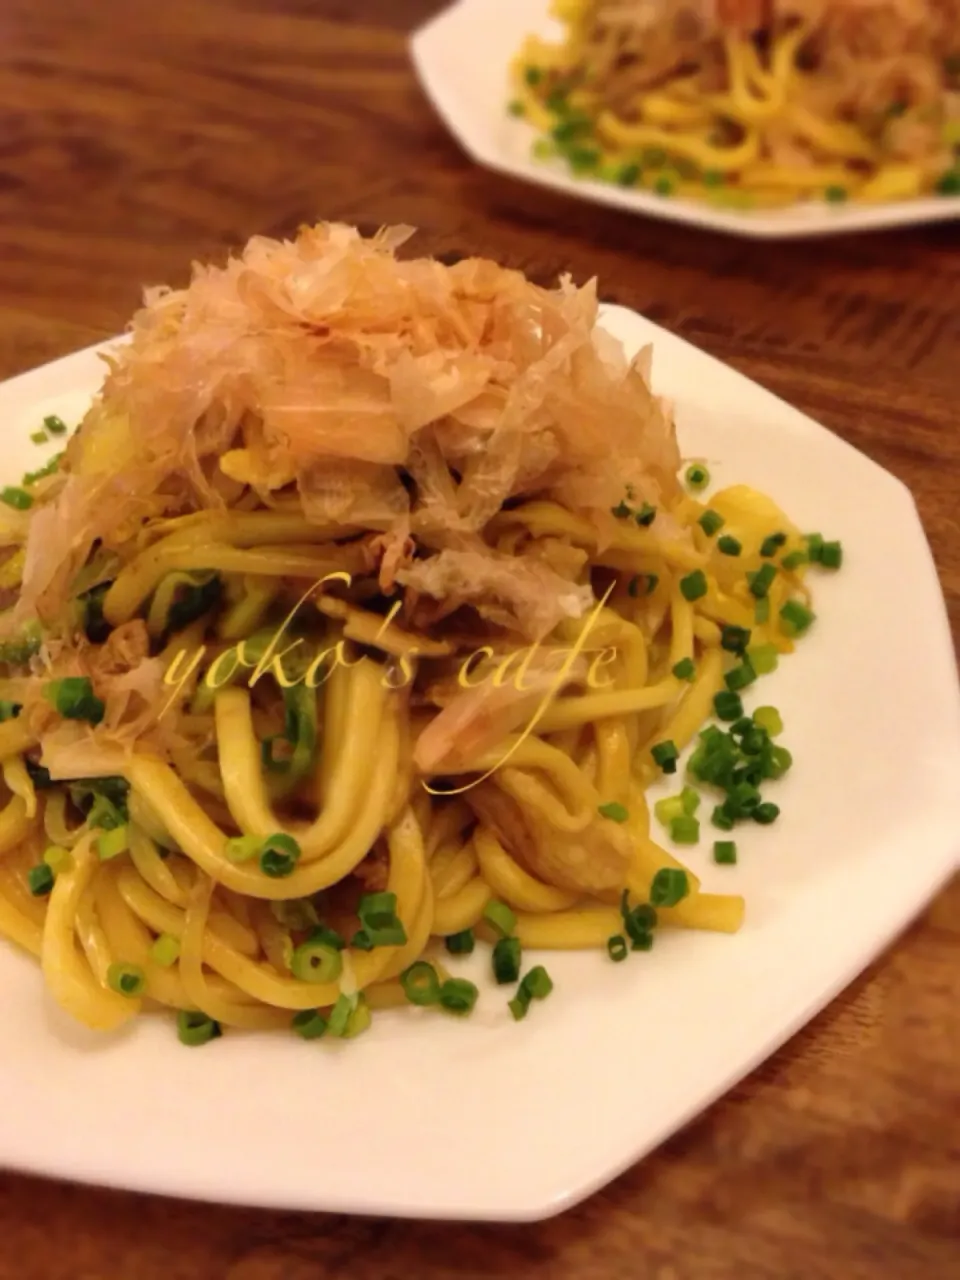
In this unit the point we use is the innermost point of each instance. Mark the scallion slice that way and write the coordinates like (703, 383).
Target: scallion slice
(55, 424)
(665, 754)
(725, 852)
(195, 1028)
(309, 1024)
(614, 811)
(711, 522)
(126, 979)
(112, 843)
(500, 916)
(460, 944)
(379, 920)
(670, 886)
(795, 618)
(165, 950)
(617, 948)
(421, 984)
(279, 855)
(684, 669)
(74, 699)
(694, 585)
(729, 546)
(242, 848)
(17, 498)
(506, 960)
(458, 995)
(684, 830)
(314, 961)
(40, 880)
(697, 477)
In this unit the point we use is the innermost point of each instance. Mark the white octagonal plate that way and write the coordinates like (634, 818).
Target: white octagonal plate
(491, 1119)
(462, 58)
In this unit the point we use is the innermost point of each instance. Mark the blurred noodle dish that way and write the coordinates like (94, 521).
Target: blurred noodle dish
(350, 629)
(750, 103)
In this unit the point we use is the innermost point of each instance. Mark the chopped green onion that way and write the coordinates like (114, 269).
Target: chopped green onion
(727, 705)
(769, 720)
(279, 855)
(242, 848)
(710, 522)
(506, 960)
(165, 950)
(814, 543)
(617, 948)
(772, 544)
(533, 75)
(633, 586)
(41, 473)
(58, 859)
(621, 510)
(766, 813)
(537, 985)
(573, 127)
(722, 818)
(665, 754)
(9, 710)
(314, 961)
(614, 811)
(685, 669)
(794, 560)
(761, 580)
(949, 183)
(694, 585)
(126, 979)
(361, 941)
(664, 185)
(836, 194)
(499, 915)
(74, 699)
(763, 658)
(670, 885)
(734, 639)
(297, 914)
(55, 425)
(40, 880)
(685, 829)
(19, 499)
(652, 580)
(195, 1028)
(516, 107)
(339, 1018)
(831, 555)
(460, 944)
(689, 800)
(583, 159)
(457, 995)
(644, 942)
(761, 611)
(779, 762)
(421, 984)
(112, 843)
(543, 149)
(379, 920)
(728, 545)
(668, 808)
(628, 175)
(309, 1024)
(740, 677)
(795, 618)
(697, 477)
(646, 515)
(359, 1020)
(39, 437)
(725, 852)
(714, 178)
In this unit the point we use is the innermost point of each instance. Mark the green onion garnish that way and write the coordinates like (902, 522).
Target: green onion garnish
(665, 754)
(763, 658)
(309, 1024)
(836, 194)
(242, 848)
(710, 522)
(379, 920)
(633, 586)
(614, 811)
(279, 855)
(668, 808)
(689, 800)
(55, 425)
(713, 178)
(684, 830)
(772, 544)
(194, 1027)
(769, 720)
(537, 985)
(814, 543)
(516, 107)
(795, 618)
(457, 995)
(359, 1020)
(315, 961)
(58, 859)
(734, 639)
(652, 580)
(740, 677)
(126, 979)
(361, 941)
(621, 510)
(766, 813)
(761, 580)
(728, 545)
(694, 585)
(74, 699)
(165, 950)
(41, 473)
(727, 705)
(697, 477)
(669, 886)
(725, 852)
(831, 555)
(617, 948)
(339, 1018)
(664, 185)
(16, 498)
(460, 944)
(761, 611)
(533, 75)
(722, 818)
(685, 669)
(112, 843)
(40, 880)
(628, 175)
(39, 437)
(646, 515)
(499, 915)
(9, 710)
(506, 960)
(421, 984)
(794, 560)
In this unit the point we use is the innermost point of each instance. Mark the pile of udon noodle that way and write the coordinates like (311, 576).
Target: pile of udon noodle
(780, 99)
(410, 491)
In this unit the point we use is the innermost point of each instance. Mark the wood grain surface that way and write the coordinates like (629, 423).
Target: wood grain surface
(137, 137)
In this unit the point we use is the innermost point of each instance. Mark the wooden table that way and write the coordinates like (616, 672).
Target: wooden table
(137, 137)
